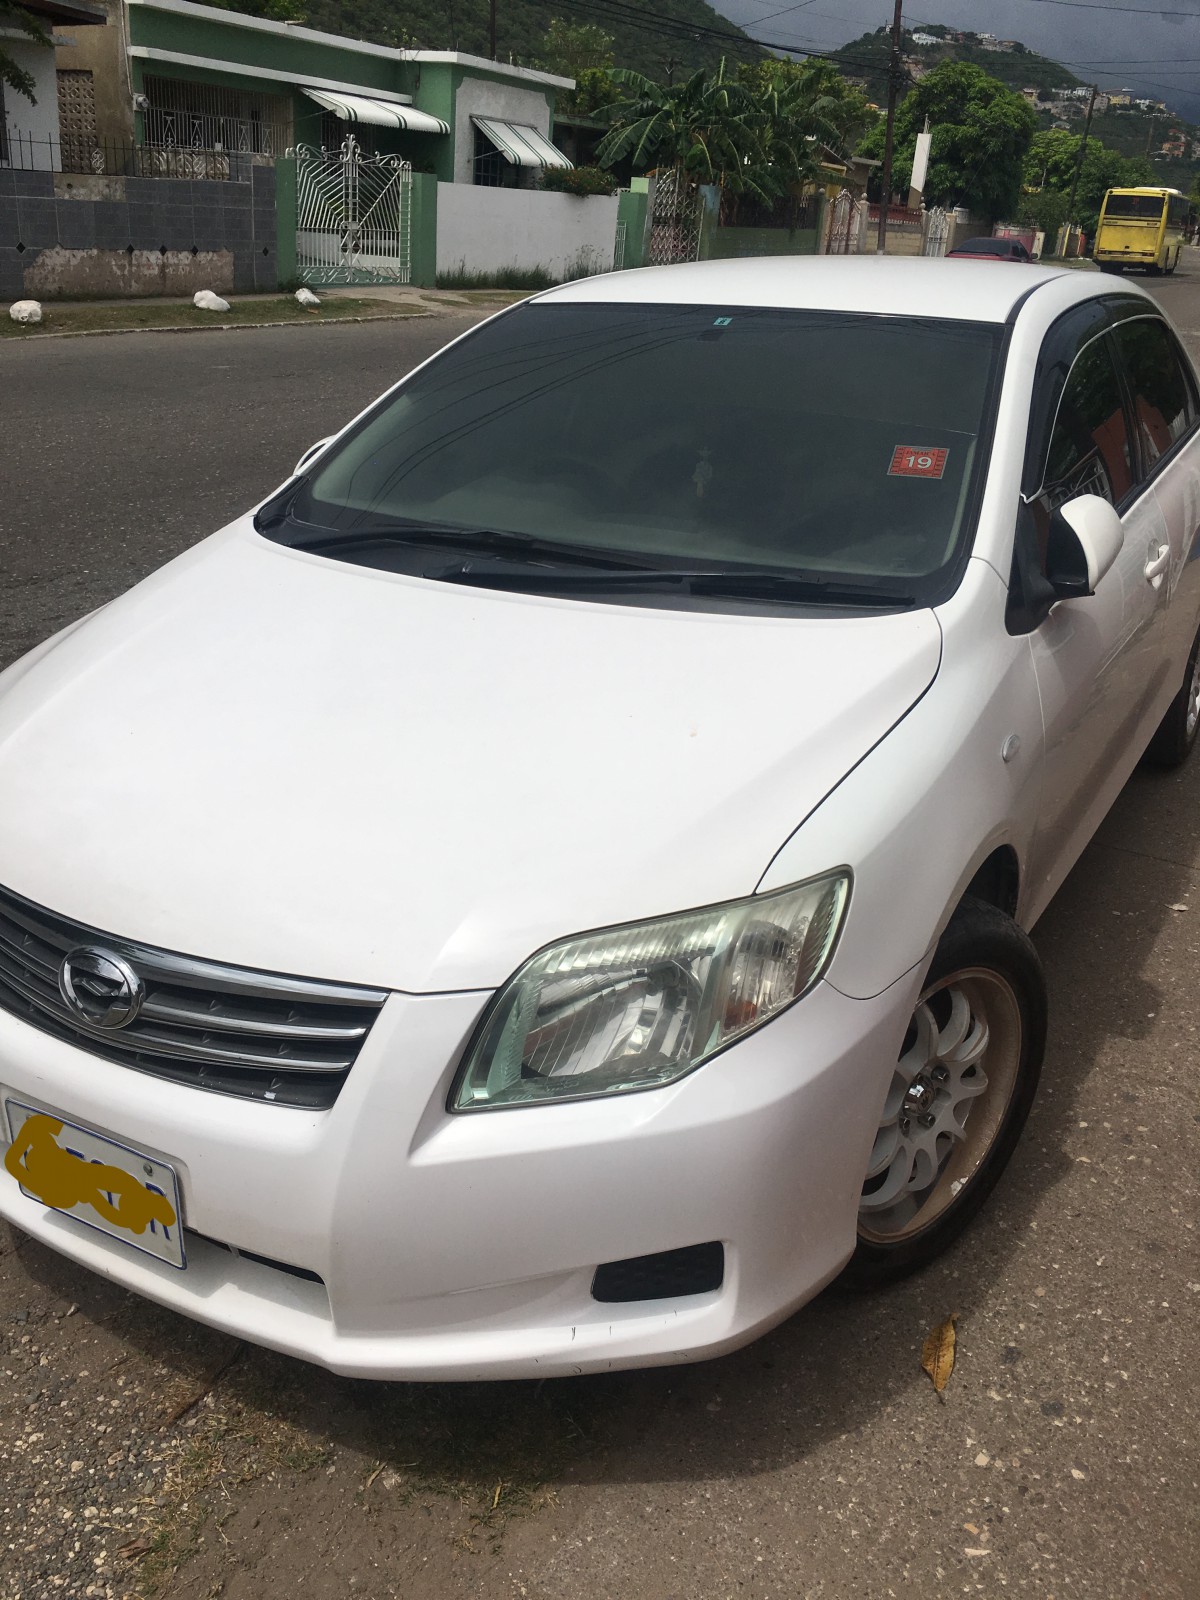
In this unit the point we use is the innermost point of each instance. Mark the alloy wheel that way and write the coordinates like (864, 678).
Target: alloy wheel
(1193, 703)
(947, 1101)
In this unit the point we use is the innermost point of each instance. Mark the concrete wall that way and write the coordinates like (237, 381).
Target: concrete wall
(482, 97)
(68, 235)
(38, 120)
(484, 230)
(101, 51)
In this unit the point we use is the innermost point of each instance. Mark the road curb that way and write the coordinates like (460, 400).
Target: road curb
(223, 327)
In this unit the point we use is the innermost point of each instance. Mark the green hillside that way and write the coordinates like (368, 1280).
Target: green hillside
(662, 38)
(1130, 131)
(1142, 133)
(1020, 68)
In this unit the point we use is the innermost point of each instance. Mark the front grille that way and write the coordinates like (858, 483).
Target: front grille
(289, 1041)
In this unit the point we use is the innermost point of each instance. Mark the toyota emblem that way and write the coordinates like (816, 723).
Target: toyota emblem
(100, 988)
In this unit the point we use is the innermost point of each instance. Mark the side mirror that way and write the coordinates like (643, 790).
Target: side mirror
(1085, 539)
(312, 451)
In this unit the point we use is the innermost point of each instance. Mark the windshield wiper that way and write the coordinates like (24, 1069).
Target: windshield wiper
(484, 541)
(789, 588)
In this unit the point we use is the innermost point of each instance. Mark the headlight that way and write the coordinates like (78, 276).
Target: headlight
(637, 1007)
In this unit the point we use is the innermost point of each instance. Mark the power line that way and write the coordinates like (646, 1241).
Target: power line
(676, 28)
(753, 22)
(1151, 61)
(1094, 5)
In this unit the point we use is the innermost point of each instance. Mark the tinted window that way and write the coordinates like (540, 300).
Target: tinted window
(1162, 397)
(1089, 447)
(986, 247)
(1143, 207)
(820, 441)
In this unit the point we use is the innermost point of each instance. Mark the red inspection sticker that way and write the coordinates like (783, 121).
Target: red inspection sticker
(915, 461)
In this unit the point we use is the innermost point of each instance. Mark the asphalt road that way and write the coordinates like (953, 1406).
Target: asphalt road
(1063, 1459)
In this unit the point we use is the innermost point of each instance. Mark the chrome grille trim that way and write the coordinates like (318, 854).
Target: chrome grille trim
(261, 1036)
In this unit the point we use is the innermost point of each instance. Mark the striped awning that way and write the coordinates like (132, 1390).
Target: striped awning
(521, 146)
(382, 113)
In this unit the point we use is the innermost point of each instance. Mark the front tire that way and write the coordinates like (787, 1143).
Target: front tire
(961, 1092)
(1176, 733)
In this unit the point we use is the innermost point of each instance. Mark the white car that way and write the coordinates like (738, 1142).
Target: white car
(551, 888)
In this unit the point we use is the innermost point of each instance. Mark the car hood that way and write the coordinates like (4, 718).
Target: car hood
(282, 761)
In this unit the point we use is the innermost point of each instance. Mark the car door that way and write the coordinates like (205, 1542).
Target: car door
(1166, 412)
(1097, 659)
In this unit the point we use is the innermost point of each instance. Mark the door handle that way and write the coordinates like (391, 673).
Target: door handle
(1157, 565)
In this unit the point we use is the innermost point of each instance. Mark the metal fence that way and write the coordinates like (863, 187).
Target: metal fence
(121, 158)
(900, 219)
(790, 212)
(205, 117)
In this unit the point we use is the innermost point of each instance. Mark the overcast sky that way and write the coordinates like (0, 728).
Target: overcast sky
(1114, 45)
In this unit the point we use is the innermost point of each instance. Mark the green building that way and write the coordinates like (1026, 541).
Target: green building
(206, 78)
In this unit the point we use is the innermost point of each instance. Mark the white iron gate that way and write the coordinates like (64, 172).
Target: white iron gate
(846, 221)
(676, 216)
(937, 232)
(353, 216)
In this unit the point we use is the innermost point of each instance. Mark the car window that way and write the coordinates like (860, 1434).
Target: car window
(1162, 396)
(1090, 450)
(831, 442)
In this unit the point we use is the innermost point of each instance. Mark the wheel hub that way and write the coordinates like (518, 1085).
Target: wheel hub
(919, 1097)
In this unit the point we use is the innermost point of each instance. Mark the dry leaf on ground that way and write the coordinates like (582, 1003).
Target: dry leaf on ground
(937, 1353)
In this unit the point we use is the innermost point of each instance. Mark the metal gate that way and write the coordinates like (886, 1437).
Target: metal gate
(846, 224)
(676, 216)
(937, 232)
(353, 216)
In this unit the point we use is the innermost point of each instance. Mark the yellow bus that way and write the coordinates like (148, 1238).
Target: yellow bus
(1141, 228)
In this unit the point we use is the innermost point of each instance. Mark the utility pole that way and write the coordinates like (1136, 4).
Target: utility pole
(492, 28)
(893, 92)
(1087, 128)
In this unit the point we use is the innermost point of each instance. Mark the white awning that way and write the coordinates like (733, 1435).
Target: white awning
(382, 113)
(521, 146)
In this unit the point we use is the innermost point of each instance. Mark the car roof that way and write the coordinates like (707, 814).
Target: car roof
(913, 286)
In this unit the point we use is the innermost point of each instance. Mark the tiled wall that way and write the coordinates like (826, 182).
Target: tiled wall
(76, 235)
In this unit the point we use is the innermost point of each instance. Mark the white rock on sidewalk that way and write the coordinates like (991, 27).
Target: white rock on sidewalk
(25, 311)
(206, 300)
(306, 297)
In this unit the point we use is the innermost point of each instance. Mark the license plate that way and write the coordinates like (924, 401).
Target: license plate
(133, 1197)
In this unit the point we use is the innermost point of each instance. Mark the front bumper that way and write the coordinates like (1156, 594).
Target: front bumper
(464, 1247)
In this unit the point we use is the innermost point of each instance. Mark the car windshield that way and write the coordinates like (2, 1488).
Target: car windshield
(722, 436)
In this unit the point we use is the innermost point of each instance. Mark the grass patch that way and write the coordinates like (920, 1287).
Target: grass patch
(528, 278)
(182, 314)
(498, 1449)
(230, 1449)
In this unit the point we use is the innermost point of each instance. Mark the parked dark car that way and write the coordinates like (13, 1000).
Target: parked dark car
(990, 250)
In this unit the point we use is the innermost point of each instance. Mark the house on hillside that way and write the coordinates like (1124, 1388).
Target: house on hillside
(31, 131)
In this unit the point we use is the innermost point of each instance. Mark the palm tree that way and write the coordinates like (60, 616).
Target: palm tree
(705, 126)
